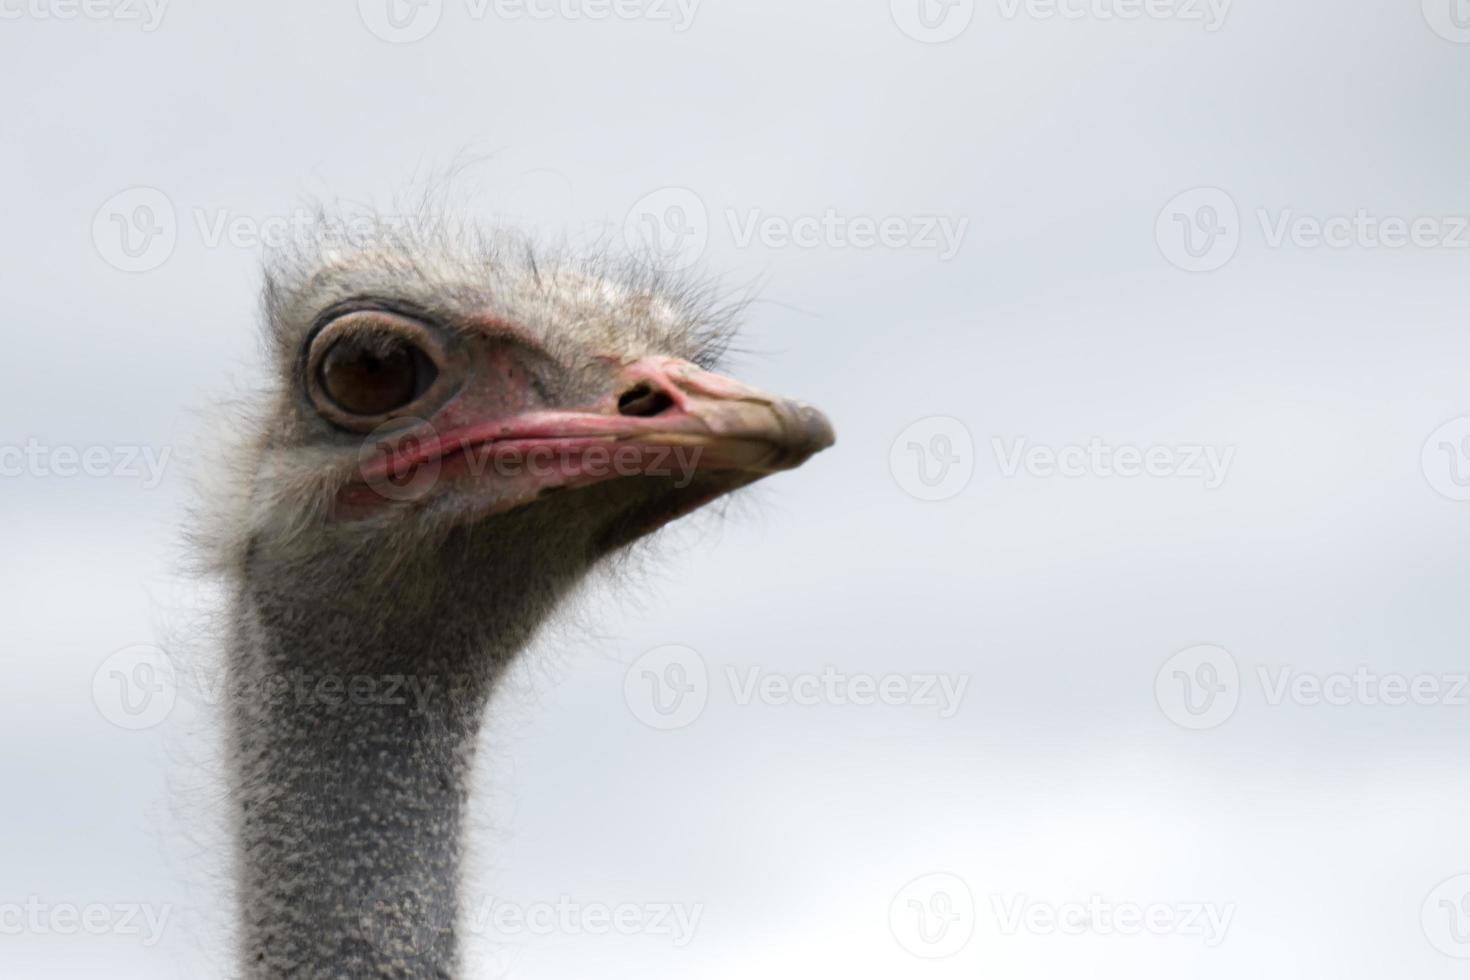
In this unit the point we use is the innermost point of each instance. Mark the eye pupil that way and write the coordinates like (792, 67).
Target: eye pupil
(376, 379)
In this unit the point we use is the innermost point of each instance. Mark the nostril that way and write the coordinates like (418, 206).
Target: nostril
(644, 401)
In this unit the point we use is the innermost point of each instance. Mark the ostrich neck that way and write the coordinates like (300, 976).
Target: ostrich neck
(353, 737)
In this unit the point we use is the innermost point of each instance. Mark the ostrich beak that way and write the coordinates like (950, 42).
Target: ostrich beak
(727, 424)
(664, 417)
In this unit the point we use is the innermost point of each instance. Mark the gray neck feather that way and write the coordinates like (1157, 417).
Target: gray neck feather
(353, 732)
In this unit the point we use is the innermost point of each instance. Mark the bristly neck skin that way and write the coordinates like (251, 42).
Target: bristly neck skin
(353, 732)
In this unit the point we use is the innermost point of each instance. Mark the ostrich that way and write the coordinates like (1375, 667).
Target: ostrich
(456, 431)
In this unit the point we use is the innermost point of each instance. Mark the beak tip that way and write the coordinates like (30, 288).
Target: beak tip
(816, 427)
(808, 431)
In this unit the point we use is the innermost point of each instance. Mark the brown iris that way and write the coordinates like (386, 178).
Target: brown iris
(375, 374)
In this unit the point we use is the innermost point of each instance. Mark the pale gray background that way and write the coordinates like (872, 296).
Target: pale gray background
(1062, 318)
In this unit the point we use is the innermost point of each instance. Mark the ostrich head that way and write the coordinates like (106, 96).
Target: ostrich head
(454, 412)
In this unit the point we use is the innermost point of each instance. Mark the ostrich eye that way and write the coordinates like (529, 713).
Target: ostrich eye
(375, 375)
